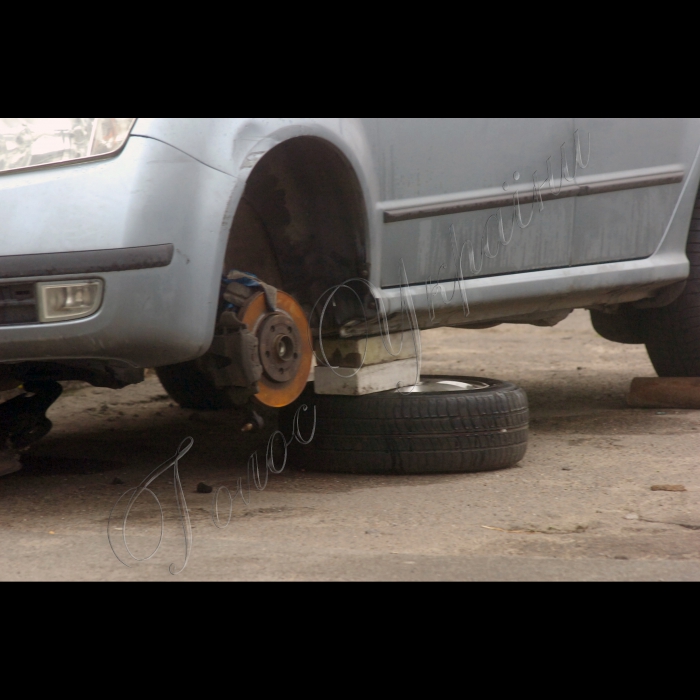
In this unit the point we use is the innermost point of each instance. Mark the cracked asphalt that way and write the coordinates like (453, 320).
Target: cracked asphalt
(580, 506)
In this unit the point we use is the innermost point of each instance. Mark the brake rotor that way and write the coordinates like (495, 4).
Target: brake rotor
(283, 344)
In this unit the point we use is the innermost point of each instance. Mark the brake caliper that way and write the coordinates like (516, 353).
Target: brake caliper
(261, 342)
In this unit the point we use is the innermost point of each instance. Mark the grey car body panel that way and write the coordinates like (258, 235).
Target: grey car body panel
(478, 157)
(150, 195)
(179, 181)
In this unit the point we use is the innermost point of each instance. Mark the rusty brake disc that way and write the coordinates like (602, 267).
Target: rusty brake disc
(285, 352)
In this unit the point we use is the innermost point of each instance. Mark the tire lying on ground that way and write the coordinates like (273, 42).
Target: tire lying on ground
(449, 424)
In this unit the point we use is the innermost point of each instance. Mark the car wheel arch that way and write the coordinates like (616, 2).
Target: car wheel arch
(301, 222)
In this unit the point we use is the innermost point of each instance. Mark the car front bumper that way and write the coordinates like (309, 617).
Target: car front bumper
(151, 223)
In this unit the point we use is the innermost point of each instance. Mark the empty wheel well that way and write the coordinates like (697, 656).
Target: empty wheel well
(302, 222)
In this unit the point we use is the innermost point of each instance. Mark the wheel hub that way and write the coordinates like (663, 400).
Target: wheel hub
(444, 386)
(280, 347)
(284, 348)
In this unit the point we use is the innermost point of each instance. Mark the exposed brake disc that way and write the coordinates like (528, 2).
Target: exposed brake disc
(261, 345)
(284, 350)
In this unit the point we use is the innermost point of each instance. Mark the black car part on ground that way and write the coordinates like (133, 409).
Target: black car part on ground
(23, 419)
(482, 429)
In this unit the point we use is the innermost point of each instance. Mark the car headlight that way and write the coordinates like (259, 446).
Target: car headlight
(26, 143)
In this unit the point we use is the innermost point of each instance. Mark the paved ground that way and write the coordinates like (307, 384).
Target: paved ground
(579, 507)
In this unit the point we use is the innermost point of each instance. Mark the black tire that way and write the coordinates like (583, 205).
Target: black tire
(624, 327)
(420, 433)
(190, 387)
(673, 332)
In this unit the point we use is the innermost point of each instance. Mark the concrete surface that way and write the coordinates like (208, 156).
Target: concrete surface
(579, 507)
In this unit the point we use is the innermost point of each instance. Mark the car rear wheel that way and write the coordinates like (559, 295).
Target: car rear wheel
(672, 333)
(448, 424)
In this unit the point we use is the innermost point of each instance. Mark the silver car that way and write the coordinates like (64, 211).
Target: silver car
(203, 246)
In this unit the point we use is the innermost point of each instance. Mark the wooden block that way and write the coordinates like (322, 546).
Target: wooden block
(665, 392)
(349, 352)
(368, 380)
